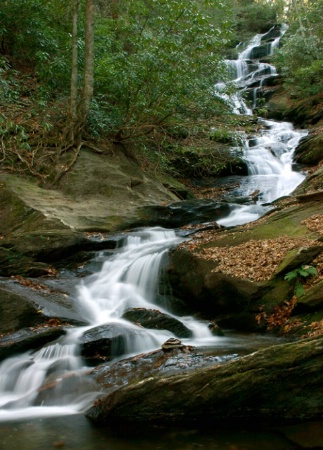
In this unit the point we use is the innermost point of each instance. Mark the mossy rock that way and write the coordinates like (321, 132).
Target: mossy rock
(307, 111)
(297, 257)
(280, 383)
(310, 150)
(16, 312)
(312, 300)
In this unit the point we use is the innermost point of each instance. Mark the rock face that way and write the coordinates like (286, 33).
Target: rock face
(178, 214)
(39, 226)
(282, 382)
(88, 198)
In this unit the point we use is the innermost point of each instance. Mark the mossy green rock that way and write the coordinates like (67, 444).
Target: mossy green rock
(103, 193)
(282, 382)
(16, 312)
(310, 150)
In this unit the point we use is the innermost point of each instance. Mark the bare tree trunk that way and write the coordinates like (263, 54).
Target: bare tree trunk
(79, 105)
(74, 71)
(88, 83)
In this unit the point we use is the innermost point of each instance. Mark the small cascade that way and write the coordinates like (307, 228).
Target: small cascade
(23, 377)
(250, 72)
(30, 383)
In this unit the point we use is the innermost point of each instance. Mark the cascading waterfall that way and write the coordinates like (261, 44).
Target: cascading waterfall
(129, 279)
(269, 156)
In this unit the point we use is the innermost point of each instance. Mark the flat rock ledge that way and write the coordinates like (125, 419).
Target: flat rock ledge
(280, 383)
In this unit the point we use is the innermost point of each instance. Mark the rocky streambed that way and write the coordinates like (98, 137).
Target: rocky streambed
(230, 278)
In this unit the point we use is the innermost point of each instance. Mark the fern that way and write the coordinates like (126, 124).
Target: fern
(299, 274)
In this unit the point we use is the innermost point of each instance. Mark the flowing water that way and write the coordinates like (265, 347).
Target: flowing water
(269, 155)
(129, 279)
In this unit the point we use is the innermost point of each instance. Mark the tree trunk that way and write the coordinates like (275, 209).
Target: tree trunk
(87, 91)
(74, 71)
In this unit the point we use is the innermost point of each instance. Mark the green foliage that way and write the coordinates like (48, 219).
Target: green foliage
(157, 61)
(297, 275)
(226, 135)
(254, 17)
(297, 63)
(35, 34)
(300, 59)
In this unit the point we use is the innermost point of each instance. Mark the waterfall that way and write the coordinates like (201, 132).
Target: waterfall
(128, 279)
(269, 155)
(30, 383)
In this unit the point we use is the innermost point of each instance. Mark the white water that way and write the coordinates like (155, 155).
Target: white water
(127, 280)
(269, 156)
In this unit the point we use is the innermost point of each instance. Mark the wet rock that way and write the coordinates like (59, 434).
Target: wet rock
(28, 339)
(16, 312)
(273, 33)
(107, 341)
(176, 360)
(281, 383)
(260, 51)
(186, 212)
(215, 329)
(154, 319)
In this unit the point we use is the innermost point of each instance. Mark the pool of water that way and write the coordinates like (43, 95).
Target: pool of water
(76, 432)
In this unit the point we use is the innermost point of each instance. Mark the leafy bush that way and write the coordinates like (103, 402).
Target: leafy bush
(300, 59)
(254, 17)
(157, 62)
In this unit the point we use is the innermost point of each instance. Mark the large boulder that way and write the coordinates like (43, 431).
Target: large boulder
(111, 377)
(280, 383)
(102, 193)
(87, 198)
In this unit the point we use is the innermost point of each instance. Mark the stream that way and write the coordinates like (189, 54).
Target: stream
(129, 278)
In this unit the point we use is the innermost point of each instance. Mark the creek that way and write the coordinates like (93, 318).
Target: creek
(128, 279)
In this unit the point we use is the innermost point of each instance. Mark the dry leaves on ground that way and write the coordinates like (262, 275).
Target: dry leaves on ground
(314, 223)
(256, 260)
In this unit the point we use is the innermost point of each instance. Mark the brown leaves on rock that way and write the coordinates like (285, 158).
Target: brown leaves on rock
(314, 223)
(280, 316)
(255, 260)
(29, 283)
(316, 329)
